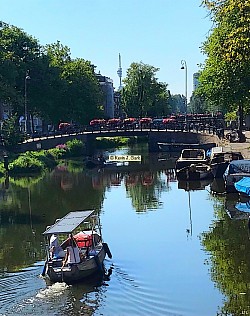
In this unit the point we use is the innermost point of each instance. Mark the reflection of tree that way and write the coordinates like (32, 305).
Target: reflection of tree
(147, 191)
(228, 243)
(32, 206)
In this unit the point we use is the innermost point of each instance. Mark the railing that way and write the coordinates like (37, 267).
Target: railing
(183, 127)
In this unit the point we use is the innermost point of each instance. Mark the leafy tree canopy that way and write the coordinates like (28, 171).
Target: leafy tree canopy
(225, 78)
(143, 95)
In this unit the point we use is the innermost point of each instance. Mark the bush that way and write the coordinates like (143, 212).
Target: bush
(26, 164)
(55, 153)
(75, 148)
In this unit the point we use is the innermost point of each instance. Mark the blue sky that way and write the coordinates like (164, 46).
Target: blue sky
(160, 33)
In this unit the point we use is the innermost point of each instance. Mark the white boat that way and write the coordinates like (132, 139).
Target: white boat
(220, 158)
(193, 165)
(84, 228)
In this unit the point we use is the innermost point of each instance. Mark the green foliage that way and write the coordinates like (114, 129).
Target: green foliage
(112, 142)
(225, 78)
(231, 116)
(2, 170)
(75, 148)
(198, 104)
(26, 182)
(32, 162)
(177, 103)
(26, 164)
(11, 132)
(55, 153)
(143, 95)
(60, 88)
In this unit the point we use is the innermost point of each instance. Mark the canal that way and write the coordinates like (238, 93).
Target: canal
(178, 248)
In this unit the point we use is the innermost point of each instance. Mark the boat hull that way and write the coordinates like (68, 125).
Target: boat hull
(219, 169)
(78, 272)
(194, 172)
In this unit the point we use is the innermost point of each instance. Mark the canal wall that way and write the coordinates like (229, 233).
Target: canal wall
(48, 142)
(153, 139)
(181, 138)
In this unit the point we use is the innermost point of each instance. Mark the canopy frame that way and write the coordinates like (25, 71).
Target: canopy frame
(69, 222)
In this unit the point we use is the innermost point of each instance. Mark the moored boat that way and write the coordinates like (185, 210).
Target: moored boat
(83, 229)
(220, 158)
(192, 165)
(236, 170)
(178, 147)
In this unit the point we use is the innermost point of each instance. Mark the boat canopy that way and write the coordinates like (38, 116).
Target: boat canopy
(69, 222)
(238, 167)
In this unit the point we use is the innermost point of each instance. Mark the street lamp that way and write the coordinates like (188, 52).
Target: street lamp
(184, 66)
(26, 115)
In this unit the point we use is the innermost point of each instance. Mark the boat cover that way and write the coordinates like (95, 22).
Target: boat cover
(69, 222)
(243, 207)
(238, 166)
(243, 185)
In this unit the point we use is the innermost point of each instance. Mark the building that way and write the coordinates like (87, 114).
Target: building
(195, 80)
(108, 90)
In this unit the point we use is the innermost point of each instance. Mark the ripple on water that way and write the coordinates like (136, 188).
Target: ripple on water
(16, 286)
(126, 292)
(131, 294)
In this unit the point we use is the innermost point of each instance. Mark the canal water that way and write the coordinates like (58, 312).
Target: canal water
(178, 248)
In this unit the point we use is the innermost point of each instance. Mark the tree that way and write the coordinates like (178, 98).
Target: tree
(225, 78)
(59, 88)
(84, 96)
(143, 95)
(11, 132)
(18, 53)
(178, 103)
(76, 91)
(199, 105)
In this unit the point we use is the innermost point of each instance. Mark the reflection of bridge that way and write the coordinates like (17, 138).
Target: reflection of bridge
(154, 136)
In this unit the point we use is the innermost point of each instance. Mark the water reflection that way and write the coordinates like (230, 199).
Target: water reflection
(229, 246)
(194, 185)
(237, 207)
(28, 205)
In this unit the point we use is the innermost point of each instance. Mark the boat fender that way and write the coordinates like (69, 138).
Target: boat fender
(106, 249)
(98, 263)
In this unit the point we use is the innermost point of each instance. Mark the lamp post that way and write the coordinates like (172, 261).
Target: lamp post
(184, 66)
(26, 115)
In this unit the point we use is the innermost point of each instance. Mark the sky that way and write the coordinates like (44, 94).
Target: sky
(160, 33)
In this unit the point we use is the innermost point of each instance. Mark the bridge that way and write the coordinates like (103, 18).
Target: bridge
(205, 136)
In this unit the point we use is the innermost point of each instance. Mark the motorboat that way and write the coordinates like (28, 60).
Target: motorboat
(178, 147)
(220, 158)
(83, 227)
(236, 170)
(193, 165)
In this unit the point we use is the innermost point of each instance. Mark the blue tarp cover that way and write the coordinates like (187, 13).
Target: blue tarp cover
(243, 185)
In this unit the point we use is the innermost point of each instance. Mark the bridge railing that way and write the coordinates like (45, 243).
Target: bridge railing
(179, 126)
